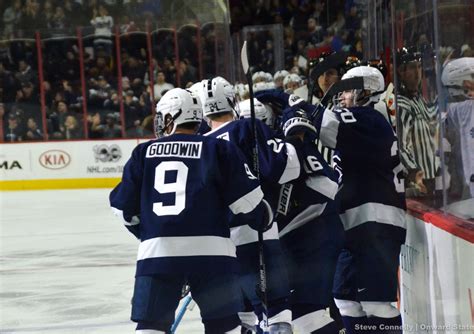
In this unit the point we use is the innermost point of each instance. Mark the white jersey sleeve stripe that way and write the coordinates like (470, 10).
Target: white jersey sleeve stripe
(293, 168)
(242, 235)
(185, 246)
(373, 212)
(305, 216)
(329, 129)
(323, 185)
(119, 213)
(248, 202)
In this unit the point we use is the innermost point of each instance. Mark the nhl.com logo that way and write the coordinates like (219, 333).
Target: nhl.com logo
(54, 159)
(107, 153)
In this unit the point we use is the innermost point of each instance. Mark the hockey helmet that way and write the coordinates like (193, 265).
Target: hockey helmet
(455, 74)
(262, 112)
(374, 86)
(178, 106)
(218, 97)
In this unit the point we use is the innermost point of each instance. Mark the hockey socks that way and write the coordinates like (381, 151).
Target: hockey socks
(386, 325)
(309, 318)
(356, 325)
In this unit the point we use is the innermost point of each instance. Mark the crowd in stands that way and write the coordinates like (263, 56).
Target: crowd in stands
(113, 101)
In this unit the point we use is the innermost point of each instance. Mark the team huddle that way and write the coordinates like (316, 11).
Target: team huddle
(219, 194)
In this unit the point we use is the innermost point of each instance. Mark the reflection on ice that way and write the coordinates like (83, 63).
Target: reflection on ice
(67, 265)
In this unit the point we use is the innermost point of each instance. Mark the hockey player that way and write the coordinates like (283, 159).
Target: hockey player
(262, 112)
(311, 232)
(278, 164)
(175, 196)
(372, 203)
(458, 78)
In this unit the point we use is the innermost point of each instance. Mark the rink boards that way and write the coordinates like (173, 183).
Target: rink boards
(63, 164)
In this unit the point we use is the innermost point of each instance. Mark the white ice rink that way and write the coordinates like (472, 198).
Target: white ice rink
(67, 265)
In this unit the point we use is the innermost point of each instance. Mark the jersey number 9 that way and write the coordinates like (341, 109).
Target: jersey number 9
(178, 187)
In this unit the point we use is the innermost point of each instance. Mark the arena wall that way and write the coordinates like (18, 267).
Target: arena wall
(437, 273)
(63, 164)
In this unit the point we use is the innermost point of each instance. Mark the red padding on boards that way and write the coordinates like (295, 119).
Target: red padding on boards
(459, 227)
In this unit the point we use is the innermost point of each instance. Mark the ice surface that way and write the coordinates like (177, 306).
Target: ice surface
(67, 265)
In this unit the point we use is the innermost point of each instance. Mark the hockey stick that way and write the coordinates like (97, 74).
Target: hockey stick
(262, 285)
(186, 305)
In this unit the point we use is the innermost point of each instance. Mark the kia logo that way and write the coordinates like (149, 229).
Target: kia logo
(54, 159)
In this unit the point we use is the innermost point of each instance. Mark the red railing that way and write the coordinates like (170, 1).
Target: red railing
(80, 41)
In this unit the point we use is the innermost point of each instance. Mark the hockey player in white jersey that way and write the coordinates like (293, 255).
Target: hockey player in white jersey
(175, 196)
(458, 78)
(278, 164)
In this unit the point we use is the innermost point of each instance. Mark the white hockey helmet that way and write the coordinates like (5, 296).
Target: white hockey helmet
(263, 86)
(262, 112)
(291, 82)
(280, 75)
(258, 76)
(292, 78)
(197, 90)
(374, 84)
(455, 73)
(218, 97)
(178, 106)
(268, 77)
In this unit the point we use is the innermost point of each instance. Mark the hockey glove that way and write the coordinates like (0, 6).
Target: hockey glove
(295, 121)
(261, 217)
(278, 98)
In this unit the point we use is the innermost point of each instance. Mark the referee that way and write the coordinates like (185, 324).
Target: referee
(417, 124)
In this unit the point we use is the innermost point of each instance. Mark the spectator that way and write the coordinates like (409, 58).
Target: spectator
(13, 131)
(155, 69)
(135, 71)
(69, 68)
(2, 120)
(125, 85)
(161, 85)
(32, 19)
(315, 32)
(339, 24)
(101, 67)
(186, 72)
(71, 8)
(103, 24)
(48, 12)
(99, 92)
(300, 17)
(11, 18)
(268, 57)
(113, 102)
(70, 128)
(5, 53)
(169, 70)
(7, 85)
(32, 130)
(58, 21)
(62, 111)
(133, 115)
(108, 130)
(25, 72)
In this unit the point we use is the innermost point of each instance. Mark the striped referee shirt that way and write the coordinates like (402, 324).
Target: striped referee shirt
(417, 130)
(326, 152)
